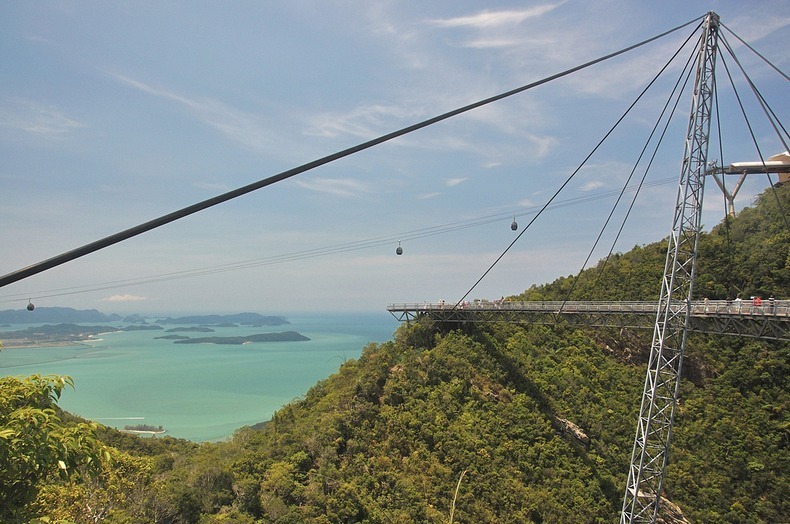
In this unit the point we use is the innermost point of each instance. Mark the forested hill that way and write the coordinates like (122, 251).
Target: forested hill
(743, 256)
(498, 424)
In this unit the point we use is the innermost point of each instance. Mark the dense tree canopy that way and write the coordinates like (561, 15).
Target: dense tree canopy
(36, 444)
(500, 423)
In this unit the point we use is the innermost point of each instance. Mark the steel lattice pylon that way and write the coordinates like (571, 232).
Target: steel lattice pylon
(659, 399)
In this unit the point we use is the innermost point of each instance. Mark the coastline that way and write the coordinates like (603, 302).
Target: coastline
(188, 389)
(16, 343)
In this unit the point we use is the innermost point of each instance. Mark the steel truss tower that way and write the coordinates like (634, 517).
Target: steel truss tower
(654, 427)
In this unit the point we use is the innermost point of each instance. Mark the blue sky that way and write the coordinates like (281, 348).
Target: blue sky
(114, 113)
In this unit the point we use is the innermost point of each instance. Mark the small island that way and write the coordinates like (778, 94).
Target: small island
(144, 429)
(285, 336)
(244, 319)
(194, 329)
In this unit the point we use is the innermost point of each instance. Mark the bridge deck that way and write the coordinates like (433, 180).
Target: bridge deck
(769, 319)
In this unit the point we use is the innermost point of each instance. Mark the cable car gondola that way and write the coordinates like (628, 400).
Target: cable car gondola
(30, 306)
(399, 250)
(514, 225)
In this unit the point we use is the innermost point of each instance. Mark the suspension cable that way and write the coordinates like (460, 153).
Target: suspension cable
(757, 94)
(556, 193)
(687, 69)
(754, 139)
(753, 50)
(200, 206)
(729, 252)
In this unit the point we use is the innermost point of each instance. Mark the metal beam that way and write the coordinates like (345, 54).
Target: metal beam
(641, 503)
(770, 320)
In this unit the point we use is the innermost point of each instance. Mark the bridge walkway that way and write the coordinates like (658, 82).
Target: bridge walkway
(768, 319)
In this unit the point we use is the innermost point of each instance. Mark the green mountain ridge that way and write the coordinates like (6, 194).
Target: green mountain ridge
(497, 423)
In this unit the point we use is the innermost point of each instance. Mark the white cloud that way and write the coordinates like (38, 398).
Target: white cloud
(493, 43)
(36, 118)
(543, 145)
(366, 121)
(592, 185)
(124, 298)
(426, 196)
(344, 187)
(755, 26)
(487, 19)
(452, 182)
(503, 29)
(236, 125)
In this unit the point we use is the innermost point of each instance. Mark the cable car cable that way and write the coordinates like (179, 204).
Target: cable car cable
(316, 252)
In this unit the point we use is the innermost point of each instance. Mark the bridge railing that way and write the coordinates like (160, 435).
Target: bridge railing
(747, 308)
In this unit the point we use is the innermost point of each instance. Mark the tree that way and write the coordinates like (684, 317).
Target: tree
(35, 443)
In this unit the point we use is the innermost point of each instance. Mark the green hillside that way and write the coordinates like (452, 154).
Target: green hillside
(500, 423)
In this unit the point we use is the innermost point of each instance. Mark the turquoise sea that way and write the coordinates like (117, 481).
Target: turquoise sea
(200, 392)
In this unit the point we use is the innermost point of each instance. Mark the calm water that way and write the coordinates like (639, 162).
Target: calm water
(200, 392)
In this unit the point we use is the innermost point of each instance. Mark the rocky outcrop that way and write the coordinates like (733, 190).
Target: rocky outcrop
(575, 431)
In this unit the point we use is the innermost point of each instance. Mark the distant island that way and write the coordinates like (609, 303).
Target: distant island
(286, 336)
(61, 334)
(68, 334)
(52, 335)
(193, 329)
(245, 319)
(62, 326)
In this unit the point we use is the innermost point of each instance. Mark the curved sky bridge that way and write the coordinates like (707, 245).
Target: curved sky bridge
(766, 320)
